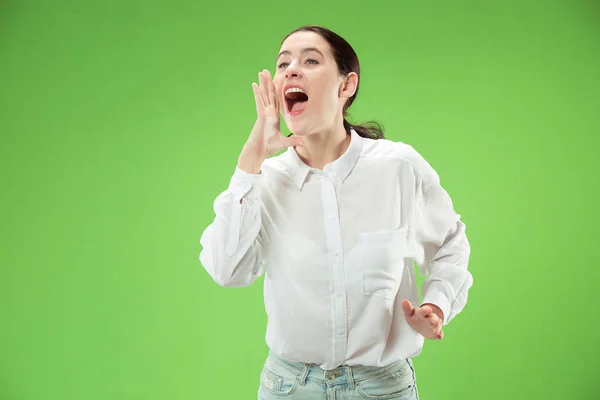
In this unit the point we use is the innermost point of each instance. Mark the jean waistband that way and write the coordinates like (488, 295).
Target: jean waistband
(349, 374)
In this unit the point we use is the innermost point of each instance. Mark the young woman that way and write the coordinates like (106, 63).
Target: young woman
(335, 223)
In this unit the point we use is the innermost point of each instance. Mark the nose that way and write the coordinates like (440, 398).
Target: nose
(292, 72)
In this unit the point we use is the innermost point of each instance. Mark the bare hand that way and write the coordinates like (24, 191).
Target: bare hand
(266, 138)
(423, 320)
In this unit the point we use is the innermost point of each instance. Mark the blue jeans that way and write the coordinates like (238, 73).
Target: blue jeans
(281, 379)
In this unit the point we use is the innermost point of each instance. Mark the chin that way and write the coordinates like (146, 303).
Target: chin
(296, 127)
(303, 127)
(298, 132)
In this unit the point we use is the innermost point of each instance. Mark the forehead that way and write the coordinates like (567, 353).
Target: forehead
(304, 39)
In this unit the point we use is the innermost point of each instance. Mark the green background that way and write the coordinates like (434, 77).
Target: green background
(121, 121)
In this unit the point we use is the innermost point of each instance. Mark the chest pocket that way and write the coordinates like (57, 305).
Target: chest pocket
(382, 261)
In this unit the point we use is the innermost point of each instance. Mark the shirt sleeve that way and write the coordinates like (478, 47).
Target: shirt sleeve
(231, 244)
(442, 247)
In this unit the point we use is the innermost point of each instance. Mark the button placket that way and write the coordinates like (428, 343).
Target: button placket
(334, 243)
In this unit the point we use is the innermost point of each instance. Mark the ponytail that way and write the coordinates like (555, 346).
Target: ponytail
(369, 130)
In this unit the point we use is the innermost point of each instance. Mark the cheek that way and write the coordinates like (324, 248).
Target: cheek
(328, 92)
(328, 97)
(277, 81)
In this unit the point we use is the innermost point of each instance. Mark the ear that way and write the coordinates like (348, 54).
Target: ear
(349, 85)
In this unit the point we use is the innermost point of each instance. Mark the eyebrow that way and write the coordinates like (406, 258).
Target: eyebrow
(305, 50)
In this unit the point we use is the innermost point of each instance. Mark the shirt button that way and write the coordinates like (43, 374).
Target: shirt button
(337, 253)
(341, 332)
(339, 294)
(331, 215)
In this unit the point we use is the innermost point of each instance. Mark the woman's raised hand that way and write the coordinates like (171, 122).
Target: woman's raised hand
(266, 138)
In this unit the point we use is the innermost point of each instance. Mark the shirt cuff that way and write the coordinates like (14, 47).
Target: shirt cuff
(439, 299)
(245, 185)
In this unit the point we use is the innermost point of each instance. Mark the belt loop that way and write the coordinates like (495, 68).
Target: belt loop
(350, 376)
(304, 374)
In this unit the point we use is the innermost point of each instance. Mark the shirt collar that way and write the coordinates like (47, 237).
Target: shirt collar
(340, 168)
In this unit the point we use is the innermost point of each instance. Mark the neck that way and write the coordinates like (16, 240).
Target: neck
(323, 147)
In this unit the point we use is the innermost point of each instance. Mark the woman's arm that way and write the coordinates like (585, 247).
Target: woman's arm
(443, 250)
(232, 252)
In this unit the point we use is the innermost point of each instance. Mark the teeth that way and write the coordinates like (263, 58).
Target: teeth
(294, 89)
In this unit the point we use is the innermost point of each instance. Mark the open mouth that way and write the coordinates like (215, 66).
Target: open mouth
(295, 100)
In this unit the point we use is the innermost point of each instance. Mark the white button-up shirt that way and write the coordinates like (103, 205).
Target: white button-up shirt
(338, 247)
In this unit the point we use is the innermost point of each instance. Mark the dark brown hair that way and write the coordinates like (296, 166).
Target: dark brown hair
(347, 61)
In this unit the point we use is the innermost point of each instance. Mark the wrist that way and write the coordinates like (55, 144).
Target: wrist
(250, 160)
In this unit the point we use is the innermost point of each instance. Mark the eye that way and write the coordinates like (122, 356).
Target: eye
(282, 65)
(312, 61)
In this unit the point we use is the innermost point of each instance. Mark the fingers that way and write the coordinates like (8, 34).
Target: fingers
(426, 311)
(436, 335)
(271, 88)
(277, 99)
(423, 320)
(431, 322)
(267, 88)
(408, 308)
(429, 316)
(436, 326)
(438, 332)
(257, 98)
(262, 88)
(265, 94)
